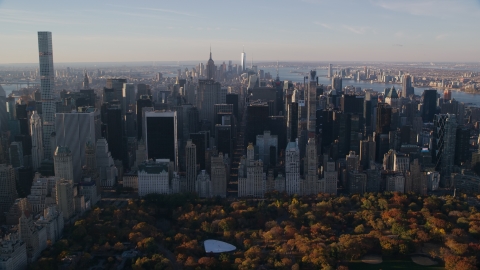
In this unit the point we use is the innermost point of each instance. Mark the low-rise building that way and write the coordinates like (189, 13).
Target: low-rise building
(13, 252)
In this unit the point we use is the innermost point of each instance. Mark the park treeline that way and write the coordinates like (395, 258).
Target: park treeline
(278, 232)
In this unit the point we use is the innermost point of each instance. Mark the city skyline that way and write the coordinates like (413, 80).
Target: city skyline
(416, 31)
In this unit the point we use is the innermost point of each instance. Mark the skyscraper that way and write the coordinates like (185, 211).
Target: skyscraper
(161, 135)
(209, 93)
(211, 68)
(337, 83)
(243, 60)
(292, 169)
(191, 165)
(37, 142)
(330, 71)
(117, 86)
(47, 85)
(73, 130)
(86, 81)
(105, 165)
(115, 133)
(63, 163)
(143, 102)
(311, 185)
(429, 105)
(292, 122)
(312, 102)
(218, 176)
(407, 86)
(8, 191)
(443, 145)
(3, 111)
(65, 198)
(330, 177)
(128, 97)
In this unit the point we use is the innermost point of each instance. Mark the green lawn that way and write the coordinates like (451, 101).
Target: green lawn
(391, 264)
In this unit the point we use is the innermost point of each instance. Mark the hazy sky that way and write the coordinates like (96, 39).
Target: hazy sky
(308, 30)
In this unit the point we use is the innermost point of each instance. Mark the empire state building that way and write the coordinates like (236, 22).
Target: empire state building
(211, 69)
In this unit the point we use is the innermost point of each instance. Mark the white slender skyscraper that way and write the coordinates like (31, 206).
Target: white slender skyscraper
(243, 59)
(37, 141)
(47, 85)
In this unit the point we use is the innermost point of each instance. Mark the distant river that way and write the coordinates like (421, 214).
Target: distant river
(298, 74)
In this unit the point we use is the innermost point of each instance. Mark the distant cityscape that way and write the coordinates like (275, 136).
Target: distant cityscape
(75, 136)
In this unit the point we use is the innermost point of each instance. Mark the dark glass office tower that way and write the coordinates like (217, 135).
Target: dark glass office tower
(352, 104)
(233, 99)
(143, 89)
(257, 116)
(462, 145)
(143, 102)
(276, 126)
(342, 131)
(407, 86)
(223, 139)
(292, 122)
(117, 86)
(161, 135)
(200, 141)
(114, 132)
(384, 118)
(429, 105)
(383, 127)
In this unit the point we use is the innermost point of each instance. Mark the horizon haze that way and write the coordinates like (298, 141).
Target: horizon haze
(309, 30)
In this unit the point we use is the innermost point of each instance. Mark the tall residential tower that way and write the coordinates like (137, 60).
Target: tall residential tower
(47, 85)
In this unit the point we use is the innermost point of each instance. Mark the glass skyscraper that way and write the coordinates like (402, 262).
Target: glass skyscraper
(47, 85)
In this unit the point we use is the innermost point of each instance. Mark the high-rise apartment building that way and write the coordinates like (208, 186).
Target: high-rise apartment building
(267, 146)
(63, 163)
(47, 86)
(35, 237)
(161, 135)
(292, 169)
(74, 130)
(13, 253)
(105, 166)
(330, 177)
(251, 178)
(311, 183)
(312, 102)
(8, 190)
(203, 185)
(218, 176)
(65, 198)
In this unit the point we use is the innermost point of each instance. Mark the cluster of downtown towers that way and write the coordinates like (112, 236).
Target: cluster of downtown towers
(249, 136)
